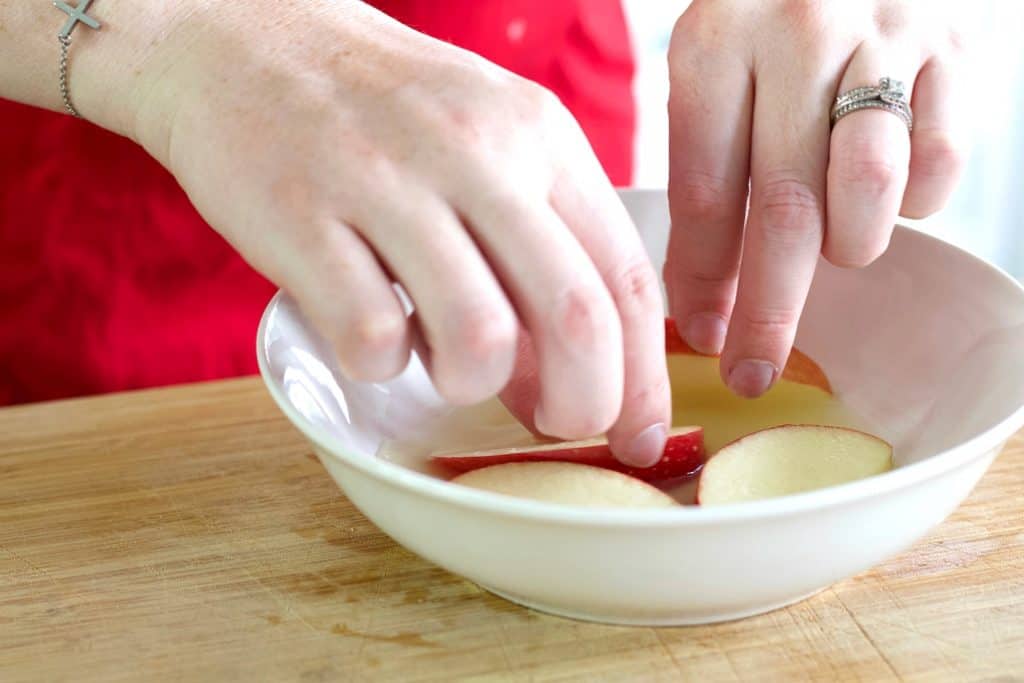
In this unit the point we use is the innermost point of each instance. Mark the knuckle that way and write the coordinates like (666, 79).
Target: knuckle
(321, 246)
(703, 197)
(476, 353)
(506, 202)
(935, 154)
(372, 348)
(484, 332)
(380, 166)
(804, 14)
(554, 126)
(813, 29)
(702, 280)
(877, 174)
(581, 315)
(539, 104)
(374, 333)
(292, 193)
(377, 169)
(312, 239)
(890, 19)
(713, 267)
(862, 162)
(799, 9)
(636, 287)
(769, 322)
(464, 125)
(683, 33)
(700, 289)
(697, 27)
(791, 211)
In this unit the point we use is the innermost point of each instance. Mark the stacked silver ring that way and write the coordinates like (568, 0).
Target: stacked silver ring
(889, 95)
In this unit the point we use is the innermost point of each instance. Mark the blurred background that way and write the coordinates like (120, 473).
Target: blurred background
(986, 214)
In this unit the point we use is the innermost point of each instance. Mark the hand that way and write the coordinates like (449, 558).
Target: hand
(752, 84)
(341, 152)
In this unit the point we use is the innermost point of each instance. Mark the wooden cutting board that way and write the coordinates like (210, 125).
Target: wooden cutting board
(190, 534)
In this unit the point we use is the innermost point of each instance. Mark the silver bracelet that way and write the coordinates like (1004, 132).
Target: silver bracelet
(76, 15)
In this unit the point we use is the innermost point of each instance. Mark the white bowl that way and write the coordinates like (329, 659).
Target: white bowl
(927, 344)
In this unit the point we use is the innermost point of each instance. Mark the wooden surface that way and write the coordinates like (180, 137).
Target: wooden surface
(190, 534)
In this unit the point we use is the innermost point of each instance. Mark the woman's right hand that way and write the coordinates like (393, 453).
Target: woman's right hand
(340, 152)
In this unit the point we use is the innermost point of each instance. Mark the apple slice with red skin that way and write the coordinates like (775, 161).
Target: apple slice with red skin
(799, 368)
(683, 456)
(790, 459)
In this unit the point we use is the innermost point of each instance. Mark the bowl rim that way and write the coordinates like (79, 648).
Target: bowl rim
(396, 475)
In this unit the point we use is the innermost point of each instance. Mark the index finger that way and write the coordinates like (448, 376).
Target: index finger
(789, 157)
(588, 204)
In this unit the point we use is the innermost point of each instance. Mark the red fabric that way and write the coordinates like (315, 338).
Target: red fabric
(109, 279)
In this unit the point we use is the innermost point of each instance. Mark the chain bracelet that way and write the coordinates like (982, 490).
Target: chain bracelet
(76, 15)
(65, 43)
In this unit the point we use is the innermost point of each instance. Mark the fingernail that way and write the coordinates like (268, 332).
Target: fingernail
(751, 378)
(705, 333)
(646, 447)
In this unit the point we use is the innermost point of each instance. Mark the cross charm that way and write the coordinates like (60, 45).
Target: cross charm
(76, 15)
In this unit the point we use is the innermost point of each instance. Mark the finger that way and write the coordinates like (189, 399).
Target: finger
(585, 199)
(868, 163)
(466, 320)
(561, 301)
(936, 147)
(522, 393)
(709, 165)
(343, 290)
(783, 239)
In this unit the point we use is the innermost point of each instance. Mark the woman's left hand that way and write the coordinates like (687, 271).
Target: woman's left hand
(752, 85)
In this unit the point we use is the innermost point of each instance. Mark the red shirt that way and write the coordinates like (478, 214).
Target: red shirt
(110, 280)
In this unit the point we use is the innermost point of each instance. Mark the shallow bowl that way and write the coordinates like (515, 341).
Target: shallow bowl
(926, 345)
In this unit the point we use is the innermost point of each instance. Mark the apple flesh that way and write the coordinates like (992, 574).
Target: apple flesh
(800, 368)
(700, 397)
(683, 456)
(567, 484)
(522, 393)
(790, 459)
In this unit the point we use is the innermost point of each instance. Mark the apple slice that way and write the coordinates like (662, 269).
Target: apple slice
(566, 483)
(799, 368)
(683, 456)
(790, 459)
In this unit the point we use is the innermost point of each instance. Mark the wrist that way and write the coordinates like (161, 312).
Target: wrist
(110, 67)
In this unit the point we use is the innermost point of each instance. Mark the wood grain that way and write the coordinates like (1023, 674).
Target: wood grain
(189, 534)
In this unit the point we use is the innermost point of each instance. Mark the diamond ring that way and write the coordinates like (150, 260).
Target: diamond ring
(889, 95)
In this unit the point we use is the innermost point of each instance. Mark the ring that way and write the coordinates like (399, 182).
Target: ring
(889, 95)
